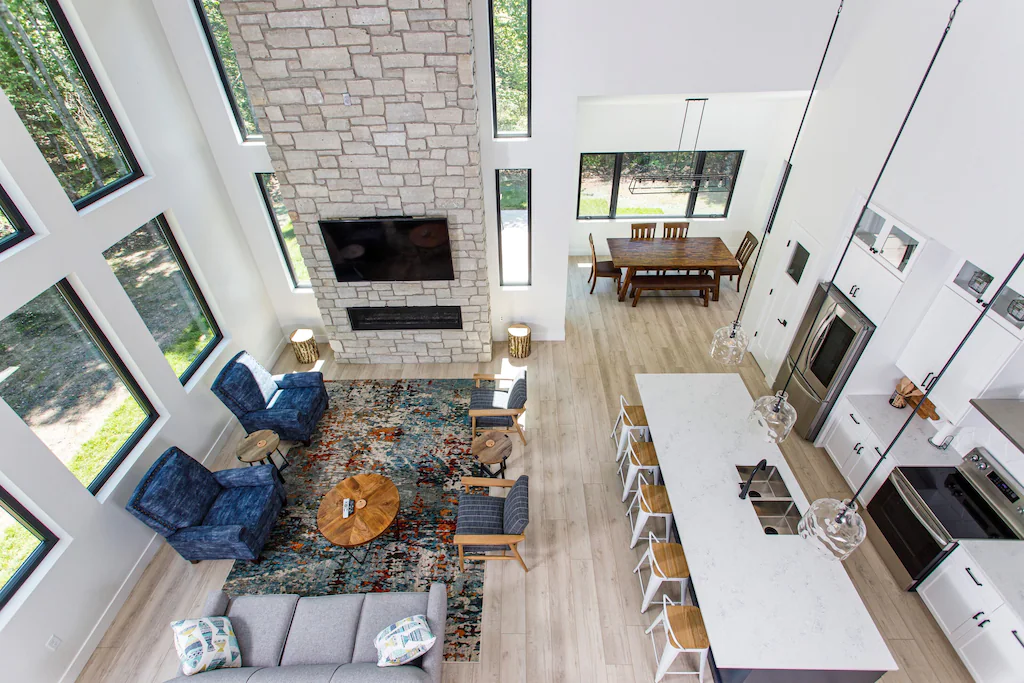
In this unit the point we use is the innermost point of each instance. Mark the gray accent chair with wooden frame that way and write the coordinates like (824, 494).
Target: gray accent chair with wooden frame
(490, 523)
(497, 409)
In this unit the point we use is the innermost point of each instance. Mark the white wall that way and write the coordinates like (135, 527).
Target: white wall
(611, 48)
(78, 590)
(954, 175)
(762, 126)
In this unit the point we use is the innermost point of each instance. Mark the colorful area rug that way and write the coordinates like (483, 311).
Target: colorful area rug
(415, 432)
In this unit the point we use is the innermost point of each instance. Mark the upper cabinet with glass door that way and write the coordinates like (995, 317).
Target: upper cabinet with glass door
(892, 243)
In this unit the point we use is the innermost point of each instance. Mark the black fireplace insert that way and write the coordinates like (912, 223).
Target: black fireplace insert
(405, 318)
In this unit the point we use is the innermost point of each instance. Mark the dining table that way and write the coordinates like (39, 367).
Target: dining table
(687, 253)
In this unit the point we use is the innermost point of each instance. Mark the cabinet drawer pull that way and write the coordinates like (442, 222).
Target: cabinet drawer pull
(973, 577)
(975, 617)
(1017, 636)
(981, 624)
(855, 420)
(858, 448)
(782, 322)
(926, 378)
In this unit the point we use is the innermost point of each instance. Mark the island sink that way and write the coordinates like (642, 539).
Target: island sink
(777, 517)
(766, 484)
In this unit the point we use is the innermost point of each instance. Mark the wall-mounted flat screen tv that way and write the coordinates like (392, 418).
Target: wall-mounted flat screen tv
(389, 249)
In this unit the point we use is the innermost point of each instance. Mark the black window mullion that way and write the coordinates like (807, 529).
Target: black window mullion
(698, 169)
(91, 328)
(211, 41)
(179, 257)
(732, 184)
(22, 229)
(46, 537)
(613, 205)
(269, 203)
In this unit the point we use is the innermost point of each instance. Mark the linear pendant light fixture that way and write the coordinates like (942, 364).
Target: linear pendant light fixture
(836, 525)
(729, 344)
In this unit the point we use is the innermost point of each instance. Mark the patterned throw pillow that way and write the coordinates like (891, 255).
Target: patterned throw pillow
(403, 641)
(206, 644)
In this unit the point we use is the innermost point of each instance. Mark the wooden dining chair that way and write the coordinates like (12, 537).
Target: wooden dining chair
(746, 248)
(675, 231)
(602, 268)
(642, 231)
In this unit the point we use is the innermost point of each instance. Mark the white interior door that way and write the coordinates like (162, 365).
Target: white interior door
(794, 281)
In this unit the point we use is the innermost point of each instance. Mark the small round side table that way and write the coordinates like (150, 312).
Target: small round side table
(492, 448)
(519, 340)
(259, 447)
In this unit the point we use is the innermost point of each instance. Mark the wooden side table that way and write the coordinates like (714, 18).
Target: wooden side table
(492, 448)
(519, 340)
(304, 346)
(377, 503)
(259, 447)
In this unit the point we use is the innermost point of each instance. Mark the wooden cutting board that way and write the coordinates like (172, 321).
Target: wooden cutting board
(927, 411)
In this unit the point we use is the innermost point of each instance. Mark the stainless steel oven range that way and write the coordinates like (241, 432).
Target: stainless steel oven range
(921, 512)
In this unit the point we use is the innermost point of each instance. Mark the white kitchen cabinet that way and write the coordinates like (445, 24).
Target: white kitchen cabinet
(992, 648)
(868, 284)
(958, 593)
(889, 241)
(860, 464)
(847, 436)
(944, 325)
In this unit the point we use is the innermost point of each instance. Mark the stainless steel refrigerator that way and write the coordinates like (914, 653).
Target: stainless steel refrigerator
(839, 333)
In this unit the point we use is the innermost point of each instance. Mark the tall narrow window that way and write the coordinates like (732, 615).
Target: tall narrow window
(224, 58)
(61, 376)
(24, 542)
(13, 227)
(153, 272)
(45, 75)
(283, 228)
(510, 67)
(514, 257)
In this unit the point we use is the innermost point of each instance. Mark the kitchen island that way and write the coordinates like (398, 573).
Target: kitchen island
(776, 609)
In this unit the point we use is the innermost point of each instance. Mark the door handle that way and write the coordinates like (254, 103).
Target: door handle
(932, 383)
(981, 624)
(853, 290)
(860, 450)
(856, 447)
(855, 420)
(974, 578)
(975, 617)
(926, 378)
(782, 322)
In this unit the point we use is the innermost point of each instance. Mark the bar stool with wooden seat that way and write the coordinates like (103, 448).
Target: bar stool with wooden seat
(640, 456)
(684, 632)
(668, 563)
(650, 501)
(642, 231)
(632, 418)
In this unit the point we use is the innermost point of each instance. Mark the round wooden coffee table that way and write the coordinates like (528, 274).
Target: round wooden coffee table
(366, 523)
(492, 448)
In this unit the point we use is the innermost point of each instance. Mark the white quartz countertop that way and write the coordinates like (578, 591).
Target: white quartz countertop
(768, 602)
(912, 449)
(1002, 562)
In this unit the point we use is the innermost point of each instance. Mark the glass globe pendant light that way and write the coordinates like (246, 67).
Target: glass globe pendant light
(729, 345)
(836, 526)
(775, 416)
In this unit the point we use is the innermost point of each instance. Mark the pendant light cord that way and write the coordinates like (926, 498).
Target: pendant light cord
(785, 176)
(874, 187)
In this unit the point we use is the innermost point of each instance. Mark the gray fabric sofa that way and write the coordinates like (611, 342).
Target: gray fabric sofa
(329, 639)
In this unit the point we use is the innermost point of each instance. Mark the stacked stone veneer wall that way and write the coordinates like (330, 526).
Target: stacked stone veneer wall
(369, 108)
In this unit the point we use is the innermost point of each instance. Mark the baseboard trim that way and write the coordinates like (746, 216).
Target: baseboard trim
(81, 658)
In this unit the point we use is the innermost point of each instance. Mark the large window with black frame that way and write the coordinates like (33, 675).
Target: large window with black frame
(510, 67)
(284, 229)
(48, 81)
(662, 184)
(24, 542)
(514, 243)
(153, 271)
(215, 28)
(13, 227)
(59, 373)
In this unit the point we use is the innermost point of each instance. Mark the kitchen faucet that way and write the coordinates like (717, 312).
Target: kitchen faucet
(763, 465)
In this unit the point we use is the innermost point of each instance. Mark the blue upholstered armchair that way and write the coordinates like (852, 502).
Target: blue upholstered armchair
(290, 405)
(497, 409)
(490, 523)
(205, 515)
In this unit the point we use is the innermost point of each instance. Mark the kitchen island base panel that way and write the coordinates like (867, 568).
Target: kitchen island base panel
(784, 676)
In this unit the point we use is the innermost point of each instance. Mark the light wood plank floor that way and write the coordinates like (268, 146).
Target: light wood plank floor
(576, 615)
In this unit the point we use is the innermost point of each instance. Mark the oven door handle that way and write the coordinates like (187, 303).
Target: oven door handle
(915, 505)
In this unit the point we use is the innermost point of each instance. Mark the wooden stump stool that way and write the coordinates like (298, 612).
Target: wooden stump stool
(304, 346)
(519, 340)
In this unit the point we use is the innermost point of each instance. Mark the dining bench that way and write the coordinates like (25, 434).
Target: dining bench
(707, 285)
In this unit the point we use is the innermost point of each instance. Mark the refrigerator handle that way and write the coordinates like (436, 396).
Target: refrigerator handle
(819, 339)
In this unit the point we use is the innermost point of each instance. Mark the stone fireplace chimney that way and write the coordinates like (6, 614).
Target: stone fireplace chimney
(369, 108)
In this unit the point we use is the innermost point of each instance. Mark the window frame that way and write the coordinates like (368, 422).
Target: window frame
(67, 32)
(222, 75)
(529, 227)
(268, 203)
(529, 75)
(613, 203)
(22, 229)
(197, 292)
(48, 541)
(92, 328)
